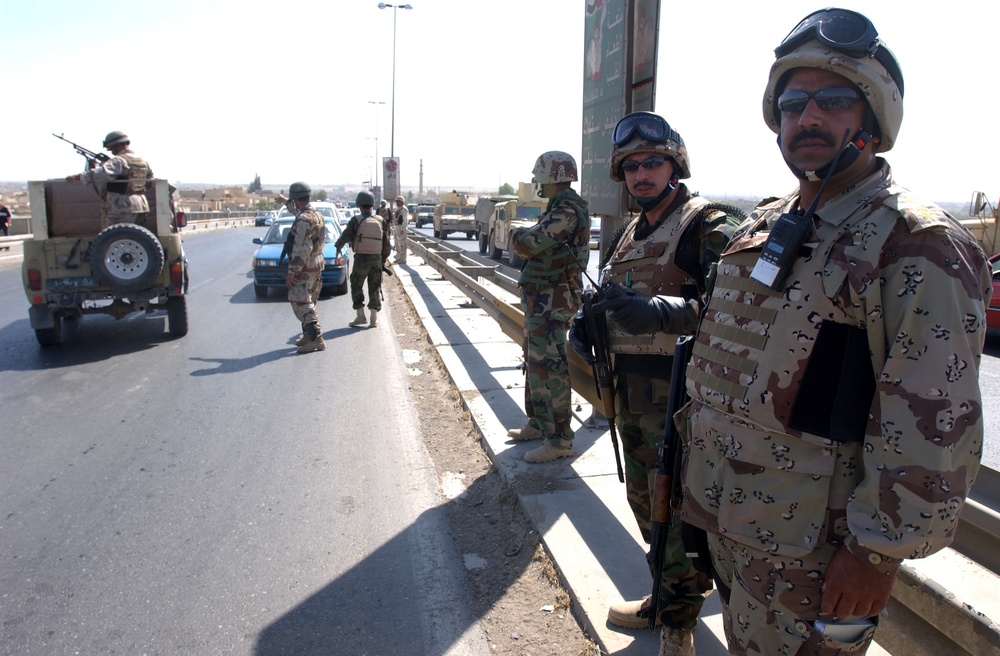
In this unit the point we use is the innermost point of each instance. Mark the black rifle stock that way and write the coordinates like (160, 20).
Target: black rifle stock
(667, 476)
(93, 159)
(597, 326)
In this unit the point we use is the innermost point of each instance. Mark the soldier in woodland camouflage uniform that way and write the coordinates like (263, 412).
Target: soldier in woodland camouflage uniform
(305, 267)
(121, 180)
(668, 250)
(554, 249)
(368, 235)
(836, 422)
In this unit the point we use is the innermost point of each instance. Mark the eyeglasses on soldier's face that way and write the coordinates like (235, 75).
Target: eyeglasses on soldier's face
(650, 164)
(831, 99)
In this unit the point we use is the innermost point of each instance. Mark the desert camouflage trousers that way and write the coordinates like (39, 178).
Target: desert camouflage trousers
(774, 600)
(366, 268)
(302, 294)
(399, 242)
(682, 587)
(547, 391)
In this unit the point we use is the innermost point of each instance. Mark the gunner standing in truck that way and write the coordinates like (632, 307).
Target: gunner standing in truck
(121, 180)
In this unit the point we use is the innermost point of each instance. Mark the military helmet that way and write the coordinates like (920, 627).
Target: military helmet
(298, 191)
(554, 166)
(115, 138)
(846, 43)
(646, 132)
(400, 199)
(365, 199)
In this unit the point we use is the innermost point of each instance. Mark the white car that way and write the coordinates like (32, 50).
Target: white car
(328, 210)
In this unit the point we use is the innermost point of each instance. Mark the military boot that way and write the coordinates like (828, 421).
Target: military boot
(551, 449)
(676, 642)
(359, 320)
(315, 341)
(305, 337)
(529, 432)
(631, 614)
(374, 320)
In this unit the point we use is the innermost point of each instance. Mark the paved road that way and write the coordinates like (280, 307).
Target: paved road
(218, 494)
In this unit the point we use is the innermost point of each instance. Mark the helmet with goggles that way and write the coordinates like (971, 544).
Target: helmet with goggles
(554, 166)
(646, 132)
(843, 42)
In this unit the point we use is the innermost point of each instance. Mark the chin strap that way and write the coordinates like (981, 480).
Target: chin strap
(649, 202)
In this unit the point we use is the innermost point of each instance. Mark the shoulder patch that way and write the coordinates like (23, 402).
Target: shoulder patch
(917, 214)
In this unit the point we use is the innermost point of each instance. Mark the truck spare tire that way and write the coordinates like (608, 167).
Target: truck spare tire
(126, 257)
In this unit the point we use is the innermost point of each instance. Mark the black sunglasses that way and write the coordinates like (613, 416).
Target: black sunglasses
(830, 100)
(650, 164)
(845, 31)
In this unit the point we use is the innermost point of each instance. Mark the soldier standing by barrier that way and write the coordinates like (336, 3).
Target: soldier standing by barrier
(120, 180)
(551, 282)
(305, 266)
(368, 235)
(669, 249)
(836, 421)
(400, 219)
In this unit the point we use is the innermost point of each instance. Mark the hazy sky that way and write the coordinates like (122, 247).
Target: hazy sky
(217, 91)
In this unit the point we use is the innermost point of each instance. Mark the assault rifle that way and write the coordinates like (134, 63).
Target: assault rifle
(597, 331)
(666, 482)
(93, 159)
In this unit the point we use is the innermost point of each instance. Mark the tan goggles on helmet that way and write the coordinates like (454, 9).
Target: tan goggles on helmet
(830, 100)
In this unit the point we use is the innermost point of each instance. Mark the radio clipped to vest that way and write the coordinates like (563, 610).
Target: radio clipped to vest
(787, 236)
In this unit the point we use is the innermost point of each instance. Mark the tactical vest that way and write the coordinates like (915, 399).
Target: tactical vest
(368, 236)
(561, 264)
(134, 181)
(649, 267)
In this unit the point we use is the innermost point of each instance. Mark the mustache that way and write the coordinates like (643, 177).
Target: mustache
(813, 134)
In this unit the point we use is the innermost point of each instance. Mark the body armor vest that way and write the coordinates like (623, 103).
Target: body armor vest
(368, 237)
(648, 267)
(134, 182)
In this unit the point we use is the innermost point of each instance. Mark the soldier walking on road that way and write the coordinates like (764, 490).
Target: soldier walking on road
(400, 219)
(120, 181)
(368, 235)
(669, 249)
(551, 282)
(305, 267)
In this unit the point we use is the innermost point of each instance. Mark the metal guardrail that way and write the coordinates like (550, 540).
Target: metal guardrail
(923, 617)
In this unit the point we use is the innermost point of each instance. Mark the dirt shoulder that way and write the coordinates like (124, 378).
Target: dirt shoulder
(515, 589)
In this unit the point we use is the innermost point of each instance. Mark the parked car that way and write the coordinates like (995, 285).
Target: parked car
(268, 272)
(993, 311)
(265, 218)
(595, 232)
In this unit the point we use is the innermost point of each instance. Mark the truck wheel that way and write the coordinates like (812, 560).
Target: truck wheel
(515, 259)
(495, 253)
(437, 233)
(470, 235)
(126, 257)
(177, 316)
(51, 336)
(483, 243)
(444, 234)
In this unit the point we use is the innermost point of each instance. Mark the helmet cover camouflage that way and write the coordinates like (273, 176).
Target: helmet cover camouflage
(672, 147)
(882, 93)
(554, 166)
(400, 199)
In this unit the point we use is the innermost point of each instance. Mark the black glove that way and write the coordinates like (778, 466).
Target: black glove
(580, 338)
(641, 314)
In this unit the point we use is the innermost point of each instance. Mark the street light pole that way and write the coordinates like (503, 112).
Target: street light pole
(377, 163)
(392, 134)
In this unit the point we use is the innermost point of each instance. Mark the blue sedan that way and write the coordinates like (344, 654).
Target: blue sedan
(268, 272)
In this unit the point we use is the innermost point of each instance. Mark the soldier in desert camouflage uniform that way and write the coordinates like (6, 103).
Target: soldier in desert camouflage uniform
(835, 423)
(121, 180)
(305, 266)
(667, 250)
(551, 282)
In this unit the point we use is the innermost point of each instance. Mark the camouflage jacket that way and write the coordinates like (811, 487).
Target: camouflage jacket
(308, 235)
(121, 197)
(844, 409)
(557, 246)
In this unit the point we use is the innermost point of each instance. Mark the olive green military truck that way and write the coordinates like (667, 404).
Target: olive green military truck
(77, 264)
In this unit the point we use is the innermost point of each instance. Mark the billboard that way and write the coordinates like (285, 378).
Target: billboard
(390, 178)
